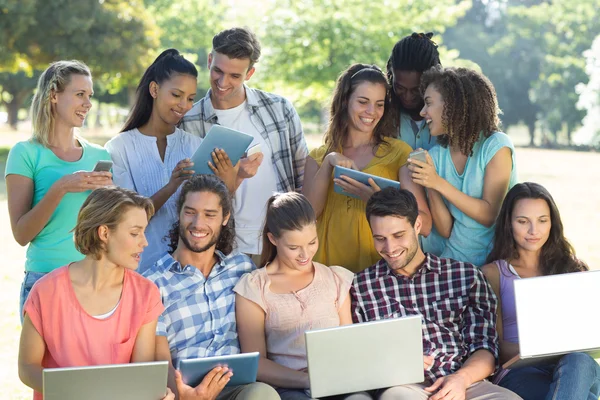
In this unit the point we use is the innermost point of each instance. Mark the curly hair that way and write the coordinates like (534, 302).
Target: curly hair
(415, 52)
(557, 256)
(346, 84)
(470, 105)
(211, 184)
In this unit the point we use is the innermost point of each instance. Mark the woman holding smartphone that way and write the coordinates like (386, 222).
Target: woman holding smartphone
(469, 173)
(151, 155)
(49, 176)
(529, 242)
(358, 137)
(111, 312)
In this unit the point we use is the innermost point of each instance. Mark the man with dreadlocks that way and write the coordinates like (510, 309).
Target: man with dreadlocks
(411, 56)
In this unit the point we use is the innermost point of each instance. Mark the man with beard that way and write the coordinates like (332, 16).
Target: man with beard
(410, 57)
(457, 306)
(196, 284)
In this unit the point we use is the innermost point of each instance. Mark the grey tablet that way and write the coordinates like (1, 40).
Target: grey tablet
(244, 367)
(136, 381)
(234, 143)
(363, 178)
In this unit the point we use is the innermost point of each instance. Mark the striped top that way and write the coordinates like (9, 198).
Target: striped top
(137, 165)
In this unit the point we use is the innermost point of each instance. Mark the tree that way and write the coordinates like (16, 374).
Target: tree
(589, 99)
(114, 37)
(309, 43)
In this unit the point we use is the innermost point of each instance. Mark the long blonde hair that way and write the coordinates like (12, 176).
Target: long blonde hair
(53, 80)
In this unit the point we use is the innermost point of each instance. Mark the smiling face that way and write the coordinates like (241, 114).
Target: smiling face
(71, 106)
(406, 87)
(366, 106)
(396, 241)
(227, 77)
(433, 111)
(531, 224)
(200, 221)
(125, 243)
(173, 98)
(296, 249)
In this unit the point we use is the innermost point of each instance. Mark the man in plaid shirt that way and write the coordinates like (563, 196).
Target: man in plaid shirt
(269, 118)
(196, 284)
(457, 306)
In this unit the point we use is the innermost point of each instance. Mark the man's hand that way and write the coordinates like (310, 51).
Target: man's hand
(427, 362)
(249, 165)
(451, 387)
(210, 387)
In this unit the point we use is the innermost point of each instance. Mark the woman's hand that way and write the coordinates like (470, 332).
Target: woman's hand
(222, 167)
(356, 188)
(249, 165)
(424, 174)
(81, 181)
(180, 174)
(339, 159)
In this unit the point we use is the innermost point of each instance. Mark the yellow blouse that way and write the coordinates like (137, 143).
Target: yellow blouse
(344, 234)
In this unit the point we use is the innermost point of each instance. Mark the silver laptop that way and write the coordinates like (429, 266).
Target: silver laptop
(137, 381)
(556, 315)
(365, 356)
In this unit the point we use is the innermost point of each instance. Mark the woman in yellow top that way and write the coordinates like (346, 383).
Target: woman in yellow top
(358, 137)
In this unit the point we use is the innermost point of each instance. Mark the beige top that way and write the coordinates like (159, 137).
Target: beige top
(289, 315)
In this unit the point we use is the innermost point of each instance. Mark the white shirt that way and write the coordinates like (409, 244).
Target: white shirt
(250, 201)
(137, 166)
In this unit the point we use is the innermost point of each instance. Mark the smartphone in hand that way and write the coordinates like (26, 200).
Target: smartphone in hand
(103, 166)
(419, 155)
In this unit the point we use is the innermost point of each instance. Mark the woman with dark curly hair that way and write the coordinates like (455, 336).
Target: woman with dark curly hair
(469, 173)
(358, 137)
(530, 242)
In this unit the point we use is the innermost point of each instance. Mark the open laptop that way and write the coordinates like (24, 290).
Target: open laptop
(556, 315)
(365, 356)
(136, 381)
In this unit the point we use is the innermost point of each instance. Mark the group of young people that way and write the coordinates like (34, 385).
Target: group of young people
(324, 259)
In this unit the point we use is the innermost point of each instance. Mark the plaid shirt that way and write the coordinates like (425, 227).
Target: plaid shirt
(278, 123)
(457, 306)
(199, 316)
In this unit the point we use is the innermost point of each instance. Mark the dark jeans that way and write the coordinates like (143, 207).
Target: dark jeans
(576, 376)
(28, 281)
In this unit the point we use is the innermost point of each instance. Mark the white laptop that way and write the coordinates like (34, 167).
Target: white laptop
(136, 381)
(365, 356)
(556, 315)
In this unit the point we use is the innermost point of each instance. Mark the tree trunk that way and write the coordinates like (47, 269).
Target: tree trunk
(13, 107)
(531, 128)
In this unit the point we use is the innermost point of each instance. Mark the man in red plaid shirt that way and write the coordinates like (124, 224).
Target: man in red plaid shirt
(457, 305)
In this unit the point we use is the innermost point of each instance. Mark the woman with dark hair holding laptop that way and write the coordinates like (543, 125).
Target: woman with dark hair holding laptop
(529, 241)
(288, 295)
(98, 310)
(152, 156)
(358, 137)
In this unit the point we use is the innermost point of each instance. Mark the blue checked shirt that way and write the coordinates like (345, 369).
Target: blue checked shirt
(457, 306)
(279, 125)
(199, 316)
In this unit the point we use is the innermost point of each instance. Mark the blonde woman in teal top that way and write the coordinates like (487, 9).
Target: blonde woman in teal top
(469, 174)
(49, 176)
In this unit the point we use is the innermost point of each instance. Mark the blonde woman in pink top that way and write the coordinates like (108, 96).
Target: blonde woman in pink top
(97, 310)
(289, 295)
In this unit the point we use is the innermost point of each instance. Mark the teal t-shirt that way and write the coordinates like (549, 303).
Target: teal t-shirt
(469, 240)
(415, 133)
(53, 247)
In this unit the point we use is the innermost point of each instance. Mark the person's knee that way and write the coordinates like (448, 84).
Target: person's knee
(258, 391)
(579, 362)
(400, 393)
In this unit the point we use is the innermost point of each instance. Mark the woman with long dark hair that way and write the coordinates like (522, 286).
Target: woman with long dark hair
(358, 137)
(151, 154)
(529, 241)
(288, 295)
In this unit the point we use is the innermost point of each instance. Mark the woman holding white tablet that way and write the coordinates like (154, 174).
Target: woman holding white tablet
(151, 155)
(358, 137)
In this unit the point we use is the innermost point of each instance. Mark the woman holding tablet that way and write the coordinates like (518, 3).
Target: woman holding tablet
(151, 155)
(358, 137)
(111, 312)
(529, 242)
(288, 295)
(469, 173)
(49, 176)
